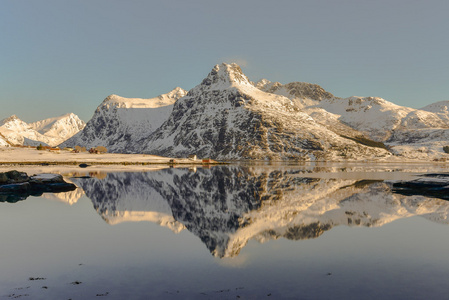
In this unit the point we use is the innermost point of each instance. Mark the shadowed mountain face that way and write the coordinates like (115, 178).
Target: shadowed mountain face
(228, 206)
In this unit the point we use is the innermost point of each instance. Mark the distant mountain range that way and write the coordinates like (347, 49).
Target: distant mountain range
(52, 131)
(229, 117)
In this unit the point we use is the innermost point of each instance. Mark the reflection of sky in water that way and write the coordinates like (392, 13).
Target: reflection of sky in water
(404, 259)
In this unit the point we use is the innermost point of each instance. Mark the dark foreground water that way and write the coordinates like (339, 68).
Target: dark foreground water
(272, 232)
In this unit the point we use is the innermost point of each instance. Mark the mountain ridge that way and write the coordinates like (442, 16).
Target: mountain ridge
(120, 121)
(51, 131)
(228, 117)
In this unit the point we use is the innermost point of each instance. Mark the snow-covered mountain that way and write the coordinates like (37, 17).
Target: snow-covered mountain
(19, 132)
(227, 117)
(374, 116)
(118, 123)
(304, 94)
(308, 97)
(50, 131)
(440, 108)
(379, 118)
(60, 128)
(411, 133)
(228, 206)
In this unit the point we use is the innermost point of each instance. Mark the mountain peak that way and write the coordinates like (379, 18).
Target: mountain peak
(226, 75)
(262, 83)
(9, 119)
(268, 86)
(176, 93)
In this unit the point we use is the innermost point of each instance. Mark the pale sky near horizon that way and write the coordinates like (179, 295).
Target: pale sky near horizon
(67, 56)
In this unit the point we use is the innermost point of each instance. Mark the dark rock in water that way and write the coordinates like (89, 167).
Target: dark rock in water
(16, 186)
(12, 198)
(46, 178)
(437, 175)
(57, 187)
(13, 177)
(430, 185)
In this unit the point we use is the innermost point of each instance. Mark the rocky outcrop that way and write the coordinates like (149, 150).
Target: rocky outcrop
(428, 185)
(16, 186)
(303, 93)
(12, 177)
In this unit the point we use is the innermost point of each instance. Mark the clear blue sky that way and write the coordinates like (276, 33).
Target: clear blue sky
(67, 56)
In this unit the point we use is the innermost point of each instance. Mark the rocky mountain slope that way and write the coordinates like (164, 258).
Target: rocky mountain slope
(228, 206)
(118, 123)
(50, 131)
(227, 117)
(411, 133)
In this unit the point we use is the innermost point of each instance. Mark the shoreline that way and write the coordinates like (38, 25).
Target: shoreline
(32, 157)
(106, 163)
(17, 156)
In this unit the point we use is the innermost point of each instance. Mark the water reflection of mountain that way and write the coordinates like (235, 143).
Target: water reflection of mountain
(70, 198)
(227, 206)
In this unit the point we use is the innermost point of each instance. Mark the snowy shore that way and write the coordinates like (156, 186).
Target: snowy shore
(31, 156)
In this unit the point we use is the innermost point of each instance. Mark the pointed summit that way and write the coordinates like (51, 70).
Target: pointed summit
(59, 129)
(226, 75)
(176, 93)
(171, 97)
(14, 123)
(9, 119)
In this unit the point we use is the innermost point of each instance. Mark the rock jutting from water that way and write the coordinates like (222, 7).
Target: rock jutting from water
(16, 186)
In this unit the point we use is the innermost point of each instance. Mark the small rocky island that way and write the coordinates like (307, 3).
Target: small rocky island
(433, 185)
(16, 186)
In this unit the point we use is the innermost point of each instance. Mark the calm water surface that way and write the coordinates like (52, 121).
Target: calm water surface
(237, 232)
